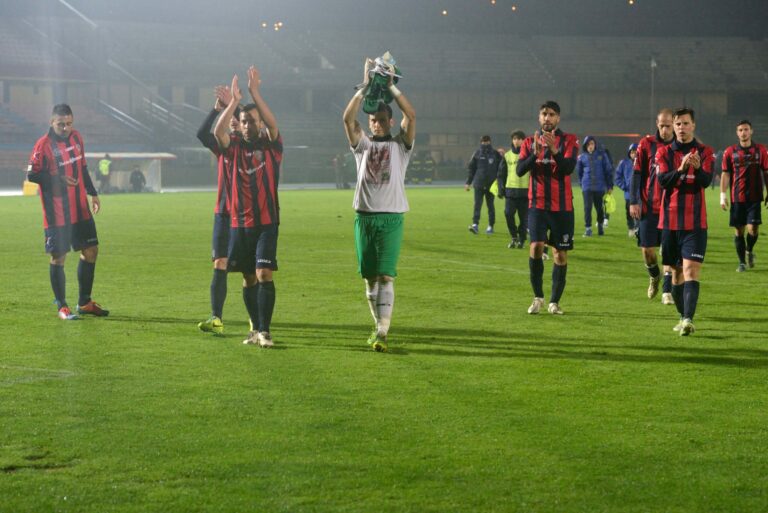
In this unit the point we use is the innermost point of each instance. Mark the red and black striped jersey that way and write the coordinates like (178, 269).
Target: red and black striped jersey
(52, 159)
(223, 164)
(255, 177)
(746, 166)
(650, 191)
(683, 202)
(550, 184)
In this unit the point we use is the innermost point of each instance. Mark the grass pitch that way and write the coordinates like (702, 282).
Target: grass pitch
(478, 406)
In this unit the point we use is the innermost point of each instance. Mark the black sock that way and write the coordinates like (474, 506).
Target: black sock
(677, 295)
(536, 265)
(558, 282)
(751, 242)
(741, 247)
(667, 283)
(266, 304)
(691, 296)
(218, 292)
(653, 270)
(85, 275)
(251, 300)
(59, 284)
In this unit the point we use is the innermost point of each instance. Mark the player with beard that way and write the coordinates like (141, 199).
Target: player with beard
(745, 169)
(550, 156)
(254, 207)
(645, 202)
(380, 201)
(221, 217)
(58, 166)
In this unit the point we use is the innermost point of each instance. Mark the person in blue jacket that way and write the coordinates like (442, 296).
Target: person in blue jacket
(595, 172)
(624, 181)
(483, 168)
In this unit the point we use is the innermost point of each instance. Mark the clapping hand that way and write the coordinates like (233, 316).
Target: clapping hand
(223, 96)
(254, 79)
(236, 94)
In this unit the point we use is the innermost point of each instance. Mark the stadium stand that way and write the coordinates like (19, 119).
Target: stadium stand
(159, 77)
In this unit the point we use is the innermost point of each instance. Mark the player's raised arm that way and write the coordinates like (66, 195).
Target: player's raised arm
(220, 132)
(351, 126)
(408, 124)
(254, 82)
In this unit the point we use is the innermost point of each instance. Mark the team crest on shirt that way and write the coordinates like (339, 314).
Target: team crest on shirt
(79, 149)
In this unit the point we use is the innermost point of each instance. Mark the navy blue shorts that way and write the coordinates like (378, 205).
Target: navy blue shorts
(221, 229)
(252, 248)
(554, 228)
(677, 245)
(746, 213)
(60, 239)
(648, 234)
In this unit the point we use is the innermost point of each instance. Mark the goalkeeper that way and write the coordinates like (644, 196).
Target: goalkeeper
(379, 200)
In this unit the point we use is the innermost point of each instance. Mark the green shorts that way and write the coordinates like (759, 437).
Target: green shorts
(377, 240)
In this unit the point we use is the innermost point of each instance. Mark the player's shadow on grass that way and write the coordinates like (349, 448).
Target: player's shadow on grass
(491, 344)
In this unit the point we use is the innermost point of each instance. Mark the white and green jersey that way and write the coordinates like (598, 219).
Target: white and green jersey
(381, 167)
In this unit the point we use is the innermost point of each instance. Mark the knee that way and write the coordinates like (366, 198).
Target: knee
(249, 280)
(263, 275)
(385, 279)
(220, 264)
(57, 259)
(560, 257)
(90, 254)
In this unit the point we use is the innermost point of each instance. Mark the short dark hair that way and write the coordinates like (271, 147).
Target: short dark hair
(383, 107)
(685, 110)
(485, 138)
(247, 107)
(62, 109)
(744, 122)
(517, 133)
(550, 104)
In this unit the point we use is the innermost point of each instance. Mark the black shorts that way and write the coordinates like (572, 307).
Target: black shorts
(648, 234)
(554, 228)
(252, 248)
(60, 239)
(220, 245)
(677, 245)
(746, 213)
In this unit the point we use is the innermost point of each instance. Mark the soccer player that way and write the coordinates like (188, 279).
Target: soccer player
(254, 207)
(221, 217)
(550, 156)
(645, 202)
(745, 169)
(684, 171)
(380, 200)
(514, 190)
(58, 166)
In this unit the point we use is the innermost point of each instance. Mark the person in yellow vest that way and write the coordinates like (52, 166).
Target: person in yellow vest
(514, 190)
(105, 167)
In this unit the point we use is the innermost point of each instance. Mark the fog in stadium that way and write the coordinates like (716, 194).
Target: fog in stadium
(140, 75)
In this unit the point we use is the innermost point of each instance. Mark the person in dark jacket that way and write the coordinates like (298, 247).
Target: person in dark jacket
(624, 182)
(483, 168)
(596, 177)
